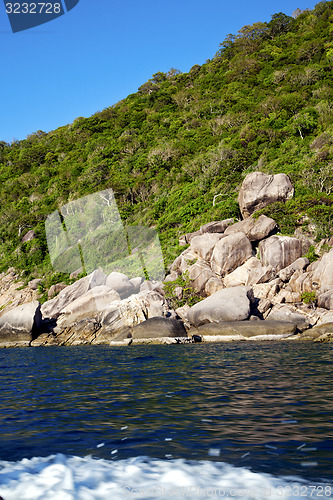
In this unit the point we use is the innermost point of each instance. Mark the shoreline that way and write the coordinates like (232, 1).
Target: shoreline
(234, 281)
(322, 334)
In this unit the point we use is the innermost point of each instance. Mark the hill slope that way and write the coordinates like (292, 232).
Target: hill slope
(176, 152)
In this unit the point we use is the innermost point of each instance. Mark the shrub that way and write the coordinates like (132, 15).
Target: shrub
(309, 298)
(189, 296)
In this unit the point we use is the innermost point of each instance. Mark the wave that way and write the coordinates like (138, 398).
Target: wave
(60, 477)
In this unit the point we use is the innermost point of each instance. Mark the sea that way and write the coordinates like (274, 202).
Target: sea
(241, 420)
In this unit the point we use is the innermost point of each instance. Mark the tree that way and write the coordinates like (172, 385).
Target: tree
(173, 72)
(159, 77)
(226, 47)
(249, 36)
(305, 122)
(280, 23)
(252, 32)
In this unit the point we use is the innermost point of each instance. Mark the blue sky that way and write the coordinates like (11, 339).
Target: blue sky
(103, 50)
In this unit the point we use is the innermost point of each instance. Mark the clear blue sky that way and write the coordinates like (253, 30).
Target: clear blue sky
(103, 50)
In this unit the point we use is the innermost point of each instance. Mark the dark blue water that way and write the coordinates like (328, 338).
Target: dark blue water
(265, 406)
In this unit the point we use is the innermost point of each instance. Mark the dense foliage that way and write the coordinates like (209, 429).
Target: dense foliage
(175, 153)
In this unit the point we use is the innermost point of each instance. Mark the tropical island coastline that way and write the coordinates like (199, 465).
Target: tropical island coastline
(234, 281)
(232, 160)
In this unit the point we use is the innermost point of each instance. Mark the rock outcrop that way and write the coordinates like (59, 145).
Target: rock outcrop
(30, 235)
(322, 273)
(230, 252)
(286, 314)
(158, 328)
(254, 229)
(121, 284)
(13, 292)
(252, 283)
(204, 244)
(244, 330)
(280, 251)
(52, 308)
(259, 190)
(18, 326)
(89, 305)
(231, 304)
(216, 226)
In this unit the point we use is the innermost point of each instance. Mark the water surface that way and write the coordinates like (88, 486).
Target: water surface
(266, 407)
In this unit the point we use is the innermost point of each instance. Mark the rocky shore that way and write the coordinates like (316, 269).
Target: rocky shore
(253, 284)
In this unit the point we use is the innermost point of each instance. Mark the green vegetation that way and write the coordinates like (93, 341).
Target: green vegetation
(189, 295)
(311, 255)
(176, 152)
(309, 298)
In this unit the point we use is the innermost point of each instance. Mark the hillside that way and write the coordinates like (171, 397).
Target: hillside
(176, 152)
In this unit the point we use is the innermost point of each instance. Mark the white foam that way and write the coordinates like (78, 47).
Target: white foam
(60, 477)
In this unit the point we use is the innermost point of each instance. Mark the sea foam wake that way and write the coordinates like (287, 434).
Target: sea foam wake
(60, 477)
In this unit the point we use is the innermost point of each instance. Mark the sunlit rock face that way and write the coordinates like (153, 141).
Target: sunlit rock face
(229, 304)
(259, 190)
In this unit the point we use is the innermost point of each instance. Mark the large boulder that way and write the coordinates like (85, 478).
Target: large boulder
(213, 285)
(199, 273)
(171, 277)
(184, 261)
(216, 226)
(150, 286)
(52, 308)
(267, 290)
(130, 312)
(298, 265)
(240, 275)
(260, 274)
(157, 328)
(325, 299)
(280, 251)
(288, 314)
(323, 272)
(88, 305)
(254, 229)
(244, 330)
(186, 239)
(18, 326)
(137, 282)
(259, 190)
(230, 252)
(229, 304)
(204, 244)
(55, 289)
(120, 283)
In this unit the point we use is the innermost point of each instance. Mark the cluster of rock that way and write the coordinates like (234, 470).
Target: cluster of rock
(251, 281)
(96, 309)
(248, 273)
